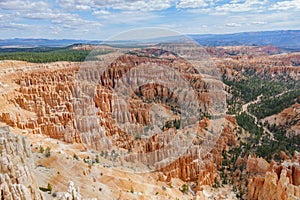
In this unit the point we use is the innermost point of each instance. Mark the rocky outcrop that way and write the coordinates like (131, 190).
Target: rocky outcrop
(71, 194)
(240, 51)
(47, 93)
(16, 178)
(59, 102)
(87, 105)
(275, 66)
(272, 187)
(280, 182)
(288, 118)
(257, 165)
(203, 170)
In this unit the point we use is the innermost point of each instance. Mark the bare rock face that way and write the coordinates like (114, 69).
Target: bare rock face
(60, 113)
(16, 178)
(6, 118)
(270, 187)
(282, 65)
(279, 182)
(47, 93)
(203, 170)
(289, 116)
(296, 175)
(71, 194)
(52, 95)
(296, 169)
(259, 165)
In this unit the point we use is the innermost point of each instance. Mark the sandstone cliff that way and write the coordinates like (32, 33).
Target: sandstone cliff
(16, 178)
(64, 106)
(274, 181)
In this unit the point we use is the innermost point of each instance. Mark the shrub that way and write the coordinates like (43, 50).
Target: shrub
(75, 157)
(47, 152)
(131, 190)
(97, 159)
(184, 188)
(41, 149)
(48, 189)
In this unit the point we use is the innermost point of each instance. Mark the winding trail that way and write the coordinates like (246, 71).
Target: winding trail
(245, 109)
(257, 100)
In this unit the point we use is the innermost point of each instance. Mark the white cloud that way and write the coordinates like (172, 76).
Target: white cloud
(149, 5)
(233, 25)
(191, 4)
(14, 26)
(73, 21)
(83, 7)
(236, 1)
(200, 11)
(286, 5)
(75, 4)
(236, 6)
(128, 17)
(125, 5)
(24, 5)
(43, 14)
(101, 12)
(2, 18)
(66, 20)
(258, 23)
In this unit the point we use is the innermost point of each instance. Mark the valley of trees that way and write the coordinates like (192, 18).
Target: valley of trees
(261, 144)
(277, 94)
(271, 106)
(250, 88)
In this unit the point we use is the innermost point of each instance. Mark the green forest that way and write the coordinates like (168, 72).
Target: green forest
(63, 54)
(51, 54)
(251, 87)
(271, 106)
(277, 94)
(261, 144)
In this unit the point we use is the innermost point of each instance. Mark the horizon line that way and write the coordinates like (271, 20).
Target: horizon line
(187, 34)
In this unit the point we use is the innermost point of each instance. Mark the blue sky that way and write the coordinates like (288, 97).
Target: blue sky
(100, 19)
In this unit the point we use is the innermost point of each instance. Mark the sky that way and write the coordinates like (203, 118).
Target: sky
(102, 19)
